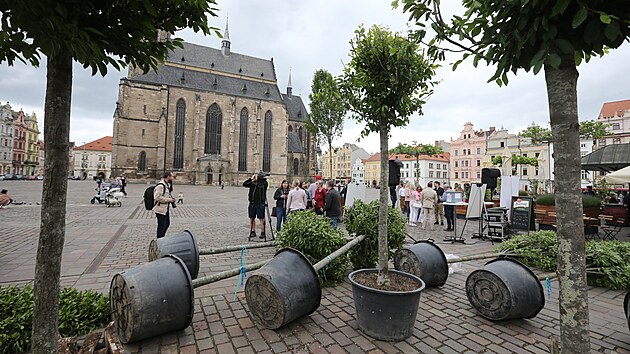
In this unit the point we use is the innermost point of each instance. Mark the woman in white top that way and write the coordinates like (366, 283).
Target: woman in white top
(296, 200)
(413, 198)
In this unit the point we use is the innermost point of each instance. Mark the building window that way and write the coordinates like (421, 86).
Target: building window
(456, 164)
(525, 172)
(142, 162)
(145, 109)
(584, 174)
(616, 126)
(267, 143)
(296, 167)
(456, 175)
(444, 166)
(478, 175)
(430, 174)
(300, 134)
(430, 165)
(602, 142)
(478, 163)
(502, 144)
(242, 141)
(616, 140)
(468, 151)
(437, 166)
(478, 151)
(290, 129)
(463, 151)
(456, 151)
(178, 151)
(214, 122)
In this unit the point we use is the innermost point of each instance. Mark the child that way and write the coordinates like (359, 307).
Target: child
(180, 198)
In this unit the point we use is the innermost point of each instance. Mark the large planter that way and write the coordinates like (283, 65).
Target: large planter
(386, 315)
(550, 211)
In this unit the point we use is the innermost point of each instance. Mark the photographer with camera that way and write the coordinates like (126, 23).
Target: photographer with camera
(280, 197)
(257, 197)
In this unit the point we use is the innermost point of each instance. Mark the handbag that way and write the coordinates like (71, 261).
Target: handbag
(273, 212)
(417, 205)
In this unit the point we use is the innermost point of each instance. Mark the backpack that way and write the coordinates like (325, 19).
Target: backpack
(149, 201)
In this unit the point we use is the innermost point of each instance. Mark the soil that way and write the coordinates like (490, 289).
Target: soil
(396, 282)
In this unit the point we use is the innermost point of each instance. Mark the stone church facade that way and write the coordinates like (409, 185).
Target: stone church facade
(210, 115)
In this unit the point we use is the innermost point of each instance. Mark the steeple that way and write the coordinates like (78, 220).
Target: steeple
(289, 86)
(225, 43)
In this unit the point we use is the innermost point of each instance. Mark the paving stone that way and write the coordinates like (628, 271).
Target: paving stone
(225, 348)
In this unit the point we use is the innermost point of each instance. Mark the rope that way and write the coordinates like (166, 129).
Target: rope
(326, 267)
(241, 280)
(548, 287)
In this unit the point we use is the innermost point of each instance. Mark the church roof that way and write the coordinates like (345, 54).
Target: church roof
(295, 107)
(294, 145)
(172, 76)
(213, 59)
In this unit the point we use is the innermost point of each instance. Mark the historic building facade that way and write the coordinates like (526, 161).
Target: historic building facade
(210, 115)
(616, 115)
(6, 138)
(93, 159)
(31, 162)
(343, 159)
(467, 153)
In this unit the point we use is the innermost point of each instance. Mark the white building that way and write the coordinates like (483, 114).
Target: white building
(358, 171)
(93, 159)
(426, 169)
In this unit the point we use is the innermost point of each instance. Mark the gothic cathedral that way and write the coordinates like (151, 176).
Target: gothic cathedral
(210, 115)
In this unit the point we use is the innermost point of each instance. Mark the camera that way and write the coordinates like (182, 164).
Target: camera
(262, 175)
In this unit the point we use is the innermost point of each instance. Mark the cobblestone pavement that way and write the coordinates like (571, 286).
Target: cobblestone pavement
(102, 241)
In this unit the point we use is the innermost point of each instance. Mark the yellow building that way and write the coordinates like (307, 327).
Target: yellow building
(32, 145)
(343, 158)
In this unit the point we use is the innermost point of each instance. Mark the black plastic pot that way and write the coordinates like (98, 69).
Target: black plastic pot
(283, 290)
(505, 289)
(425, 260)
(626, 307)
(183, 245)
(386, 315)
(152, 299)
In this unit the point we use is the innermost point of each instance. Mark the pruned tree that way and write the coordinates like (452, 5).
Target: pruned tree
(591, 129)
(327, 110)
(95, 34)
(416, 150)
(532, 35)
(537, 133)
(388, 79)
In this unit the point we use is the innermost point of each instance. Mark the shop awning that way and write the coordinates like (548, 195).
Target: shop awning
(608, 159)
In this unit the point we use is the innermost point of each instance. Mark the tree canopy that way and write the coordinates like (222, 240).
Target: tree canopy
(592, 129)
(537, 133)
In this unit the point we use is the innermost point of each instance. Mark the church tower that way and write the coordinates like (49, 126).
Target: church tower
(225, 43)
(289, 86)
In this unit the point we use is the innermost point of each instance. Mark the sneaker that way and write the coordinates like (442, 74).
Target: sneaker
(442, 223)
(435, 223)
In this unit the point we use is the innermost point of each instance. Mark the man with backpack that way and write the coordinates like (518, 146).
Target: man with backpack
(162, 200)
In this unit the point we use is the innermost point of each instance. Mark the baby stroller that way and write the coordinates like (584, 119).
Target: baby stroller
(113, 196)
(101, 194)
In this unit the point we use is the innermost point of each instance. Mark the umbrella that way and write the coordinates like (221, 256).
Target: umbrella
(619, 177)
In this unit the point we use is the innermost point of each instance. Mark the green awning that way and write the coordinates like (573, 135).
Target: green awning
(608, 159)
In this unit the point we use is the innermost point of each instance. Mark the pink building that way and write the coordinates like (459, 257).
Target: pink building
(467, 153)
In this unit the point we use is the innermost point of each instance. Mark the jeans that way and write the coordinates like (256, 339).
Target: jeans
(393, 196)
(334, 221)
(281, 217)
(164, 221)
(449, 213)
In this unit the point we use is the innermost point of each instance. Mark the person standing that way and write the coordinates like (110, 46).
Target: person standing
(401, 196)
(123, 183)
(180, 198)
(413, 204)
(296, 200)
(280, 196)
(309, 196)
(222, 185)
(408, 192)
(313, 187)
(428, 200)
(449, 210)
(439, 208)
(162, 198)
(420, 218)
(320, 198)
(332, 204)
(257, 196)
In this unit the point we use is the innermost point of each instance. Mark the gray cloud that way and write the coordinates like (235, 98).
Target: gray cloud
(309, 35)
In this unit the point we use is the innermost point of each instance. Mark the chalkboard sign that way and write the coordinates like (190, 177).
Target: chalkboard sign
(522, 212)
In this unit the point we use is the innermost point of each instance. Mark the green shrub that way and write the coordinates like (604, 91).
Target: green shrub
(362, 219)
(522, 193)
(80, 312)
(606, 261)
(587, 200)
(314, 236)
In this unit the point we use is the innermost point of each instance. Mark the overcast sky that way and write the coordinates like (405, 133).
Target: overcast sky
(309, 35)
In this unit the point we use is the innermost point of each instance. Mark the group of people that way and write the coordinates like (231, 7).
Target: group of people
(424, 205)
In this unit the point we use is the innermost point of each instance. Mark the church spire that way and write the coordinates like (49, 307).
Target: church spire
(289, 85)
(225, 43)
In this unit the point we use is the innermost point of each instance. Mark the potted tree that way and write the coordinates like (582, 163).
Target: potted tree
(388, 78)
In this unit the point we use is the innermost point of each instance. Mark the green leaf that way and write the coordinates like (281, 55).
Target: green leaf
(537, 67)
(559, 7)
(564, 46)
(554, 60)
(612, 31)
(579, 17)
(578, 58)
(605, 18)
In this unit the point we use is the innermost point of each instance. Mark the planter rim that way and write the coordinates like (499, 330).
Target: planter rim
(392, 293)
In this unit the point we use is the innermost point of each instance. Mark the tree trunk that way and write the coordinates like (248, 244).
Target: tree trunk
(383, 210)
(53, 214)
(562, 97)
(332, 176)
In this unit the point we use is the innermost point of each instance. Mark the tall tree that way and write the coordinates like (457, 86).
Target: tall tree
(537, 133)
(327, 111)
(95, 33)
(388, 79)
(591, 129)
(416, 150)
(531, 35)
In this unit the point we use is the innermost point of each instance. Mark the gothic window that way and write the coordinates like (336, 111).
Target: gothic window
(290, 129)
(300, 134)
(308, 145)
(242, 142)
(267, 143)
(180, 115)
(214, 122)
(296, 166)
(142, 162)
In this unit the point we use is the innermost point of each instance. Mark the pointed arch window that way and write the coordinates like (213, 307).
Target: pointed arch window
(242, 141)
(142, 162)
(180, 117)
(214, 122)
(300, 134)
(296, 166)
(290, 129)
(267, 143)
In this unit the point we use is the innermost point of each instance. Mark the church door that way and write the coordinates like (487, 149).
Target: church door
(209, 181)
